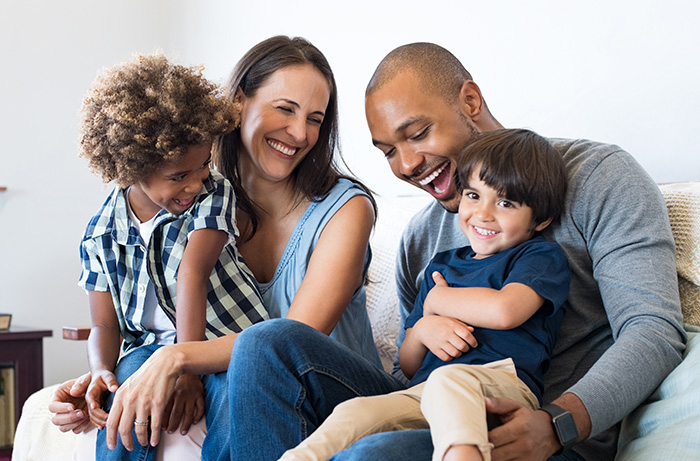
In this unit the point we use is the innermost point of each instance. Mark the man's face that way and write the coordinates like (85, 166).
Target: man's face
(420, 134)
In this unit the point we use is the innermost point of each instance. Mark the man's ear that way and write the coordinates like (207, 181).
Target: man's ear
(543, 225)
(470, 101)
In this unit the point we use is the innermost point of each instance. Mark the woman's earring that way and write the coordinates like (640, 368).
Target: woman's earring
(237, 108)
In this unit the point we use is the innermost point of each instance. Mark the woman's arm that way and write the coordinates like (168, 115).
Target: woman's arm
(502, 309)
(334, 273)
(336, 267)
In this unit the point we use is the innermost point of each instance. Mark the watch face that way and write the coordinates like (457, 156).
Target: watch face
(566, 429)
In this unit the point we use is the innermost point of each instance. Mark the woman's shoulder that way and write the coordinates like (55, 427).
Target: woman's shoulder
(345, 188)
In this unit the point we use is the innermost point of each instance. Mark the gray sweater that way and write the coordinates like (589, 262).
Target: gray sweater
(622, 331)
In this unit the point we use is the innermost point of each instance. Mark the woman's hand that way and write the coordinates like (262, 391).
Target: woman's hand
(186, 404)
(143, 398)
(103, 381)
(68, 406)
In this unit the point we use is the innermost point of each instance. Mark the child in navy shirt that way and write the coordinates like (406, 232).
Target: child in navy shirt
(486, 318)
(159, 258)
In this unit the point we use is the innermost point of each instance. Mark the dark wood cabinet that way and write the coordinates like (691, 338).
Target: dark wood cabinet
(22, 349)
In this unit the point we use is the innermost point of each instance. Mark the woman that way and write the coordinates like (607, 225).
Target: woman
(304, 230)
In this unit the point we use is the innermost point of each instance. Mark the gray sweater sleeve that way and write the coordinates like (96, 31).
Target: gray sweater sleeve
(620, 214)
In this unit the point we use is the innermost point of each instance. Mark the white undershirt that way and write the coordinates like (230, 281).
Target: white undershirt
(154, 318)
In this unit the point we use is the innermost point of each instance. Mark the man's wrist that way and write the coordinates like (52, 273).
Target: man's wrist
(564, 426)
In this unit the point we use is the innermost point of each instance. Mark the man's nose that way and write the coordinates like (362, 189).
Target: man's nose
(409, 162)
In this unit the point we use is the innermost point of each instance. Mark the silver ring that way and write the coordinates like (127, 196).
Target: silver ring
(140, 423)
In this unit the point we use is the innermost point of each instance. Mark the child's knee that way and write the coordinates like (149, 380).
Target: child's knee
(448, 375)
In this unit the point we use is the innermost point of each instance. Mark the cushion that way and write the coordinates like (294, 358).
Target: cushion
(667, 425)
(683, 203)
(382, 300)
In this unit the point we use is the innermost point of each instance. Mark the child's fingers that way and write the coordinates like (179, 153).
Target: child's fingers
(111, 382)
(439, 279)
(199, 411)
(173, 415)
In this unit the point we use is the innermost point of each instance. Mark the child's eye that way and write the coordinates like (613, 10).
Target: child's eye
(206, 164)
(178, 178)
(472, 195)
(506, 204)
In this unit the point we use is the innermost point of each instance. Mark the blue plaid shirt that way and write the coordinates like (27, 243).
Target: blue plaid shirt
(115, 259)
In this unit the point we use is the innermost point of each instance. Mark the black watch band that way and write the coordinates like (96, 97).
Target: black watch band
(564, 426)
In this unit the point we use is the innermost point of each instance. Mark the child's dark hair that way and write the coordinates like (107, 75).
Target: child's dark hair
(521, 165)
(141, 114)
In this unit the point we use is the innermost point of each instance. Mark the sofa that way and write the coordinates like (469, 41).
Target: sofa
(664, 427)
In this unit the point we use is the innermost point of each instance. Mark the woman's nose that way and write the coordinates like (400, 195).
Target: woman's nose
(297, 129)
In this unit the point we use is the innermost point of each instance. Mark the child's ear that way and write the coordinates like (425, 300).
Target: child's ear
(543, 225)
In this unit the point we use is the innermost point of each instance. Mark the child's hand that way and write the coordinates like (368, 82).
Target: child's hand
(433, 295)
(446, 337)
(186, 405)
(102, 381)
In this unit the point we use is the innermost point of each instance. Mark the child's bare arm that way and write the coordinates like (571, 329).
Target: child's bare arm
(103, 352)
(501, 309)
(201, 254)
(446, 337)
(203, 249)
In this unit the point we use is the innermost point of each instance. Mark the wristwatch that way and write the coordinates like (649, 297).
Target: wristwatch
(564, 426)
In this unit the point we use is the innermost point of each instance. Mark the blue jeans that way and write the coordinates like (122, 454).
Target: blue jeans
(284, 379)
(415, 445)
(215, 409)
(126, 367)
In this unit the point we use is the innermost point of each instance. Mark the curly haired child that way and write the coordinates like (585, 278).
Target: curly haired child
(487, 315)
(159, 259)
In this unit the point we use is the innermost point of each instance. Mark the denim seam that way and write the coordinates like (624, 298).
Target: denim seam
(302, 395)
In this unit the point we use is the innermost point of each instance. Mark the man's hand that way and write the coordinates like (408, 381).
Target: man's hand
(445, 337)
(525, 434)
(68, 406)
(186, 404)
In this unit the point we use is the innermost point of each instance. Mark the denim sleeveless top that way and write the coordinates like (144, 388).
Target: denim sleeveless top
(353, 329)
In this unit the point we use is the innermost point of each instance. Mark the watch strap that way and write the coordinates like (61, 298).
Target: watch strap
(564, 426)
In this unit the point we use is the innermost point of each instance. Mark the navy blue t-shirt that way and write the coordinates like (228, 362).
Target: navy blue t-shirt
(537, 263)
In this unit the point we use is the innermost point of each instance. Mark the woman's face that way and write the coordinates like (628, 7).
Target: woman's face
(280, 123)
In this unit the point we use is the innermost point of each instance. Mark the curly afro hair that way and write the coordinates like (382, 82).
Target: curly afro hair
(140, 114)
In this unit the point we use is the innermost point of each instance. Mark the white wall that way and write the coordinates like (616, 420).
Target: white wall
(620, 72)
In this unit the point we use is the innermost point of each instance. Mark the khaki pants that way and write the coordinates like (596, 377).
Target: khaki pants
(450, 403)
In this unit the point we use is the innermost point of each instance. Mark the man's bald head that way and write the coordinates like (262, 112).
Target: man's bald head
(440, 71)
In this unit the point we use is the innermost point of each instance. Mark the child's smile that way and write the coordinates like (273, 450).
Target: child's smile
(491, 222)
(174, 187)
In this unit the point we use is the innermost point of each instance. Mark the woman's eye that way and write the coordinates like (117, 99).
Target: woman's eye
(315, 121)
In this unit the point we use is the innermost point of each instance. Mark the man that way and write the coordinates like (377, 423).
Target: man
(622, 333)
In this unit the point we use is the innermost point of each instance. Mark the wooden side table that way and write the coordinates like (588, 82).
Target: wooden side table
(22, 348)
